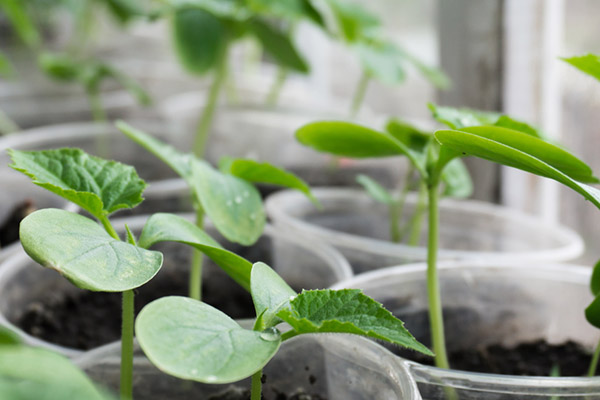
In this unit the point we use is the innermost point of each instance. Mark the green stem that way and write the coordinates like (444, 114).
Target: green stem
(359, 94)
(195, 284)
(108, 227)
(396, 214)
(7, 125)
(208, 113)
(594, 363)
(275, 91)
(417, 221)
(433, 288)
(127, 346)
(256, 389)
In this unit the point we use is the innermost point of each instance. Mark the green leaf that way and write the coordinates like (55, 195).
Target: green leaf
(434, 75)
(84, 253)
(347, 311)
(416, 139)
(508, 122)
(278, 45)
(200, 39)
(125, 10)
(18, 15)
(168, 227)
(375, 190)
(230, 9)
(381, 61)
(531, 155)
(589, 64)
(97, 185)
(232, 204)
(192, 340)
(457, 180)
(59, 66)
(8, 337)
(253, 171)
(592, 312)
(595, 281)
(350, 140)
(28, 373)
(458, 118)
(353, 20)
(270, 294)
(290, 9)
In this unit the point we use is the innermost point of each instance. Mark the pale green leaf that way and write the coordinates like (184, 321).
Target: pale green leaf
(508, 122)
(347, 311)
(381, 61)
(279, 46)
(81, 250)
(434, 75)
(232, 204)
(192, 340)
(457, 180)
(589, 64)
(168, 227)
(375, 190)
(353, 20)
(458, 118)
(20, 18)
(96, 185)
(270, 294)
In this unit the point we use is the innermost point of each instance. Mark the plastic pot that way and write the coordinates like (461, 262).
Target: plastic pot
(25, 286)
(335, 367)
(492, 303)
(358, 226)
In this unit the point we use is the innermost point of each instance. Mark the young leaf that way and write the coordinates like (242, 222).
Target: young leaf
(457, 180)
(253, 171)
(96, 185)
(200, 39)
(18, 15)
(353, 21)
(347, 311)
(8, 337)
(279, 46)
(434, 75)
(84, 253)
(592, 312)
(507, 122)
(229, 9)
(375, 190)
(233, 205)
(192, 340)
(168, 227)
(595, 281)
(458, 118)
(381, 61)
(270, 294)
(416, 139)
(589, 64)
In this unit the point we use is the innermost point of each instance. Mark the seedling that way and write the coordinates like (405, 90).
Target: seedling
(228, 197)
(191, 340)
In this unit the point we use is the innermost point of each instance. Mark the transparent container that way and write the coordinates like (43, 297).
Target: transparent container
(492, 303)
(351, 221)
(335, 367)
(25, 286)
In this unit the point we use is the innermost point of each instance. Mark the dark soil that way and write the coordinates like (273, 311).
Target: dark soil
(270, 392)
(9, 228)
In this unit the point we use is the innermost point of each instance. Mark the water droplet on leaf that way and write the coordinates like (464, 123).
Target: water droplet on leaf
(211, 378)
(270, 334)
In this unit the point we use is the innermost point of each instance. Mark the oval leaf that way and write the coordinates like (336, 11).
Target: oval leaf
(192, 340)
(168, 227)
(84, 253)
(233, 205)
(589, 64)
(270, 294)
(592, 312)
(98, 186)
(279, 46)
(347, 311)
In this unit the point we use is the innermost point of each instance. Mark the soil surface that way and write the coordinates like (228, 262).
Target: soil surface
(270, 392)
(9, 228)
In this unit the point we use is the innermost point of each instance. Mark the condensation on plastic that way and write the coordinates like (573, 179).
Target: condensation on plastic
(336, 367)
(358, 226)
(492, 303)
(301, 263)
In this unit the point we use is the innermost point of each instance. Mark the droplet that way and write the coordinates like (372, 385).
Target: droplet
(270, 334)
(194, 371)
(211, 378)
(238, 199)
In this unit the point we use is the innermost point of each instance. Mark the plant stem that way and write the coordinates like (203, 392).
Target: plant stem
(433, 288)
(594, 363)
(208, 113)
(359, 94)
(417, 221)
(275, 90)
(127, 346)
(195, 284)
(108, 227)
(256, 389)
(396, 215)
(7, 125)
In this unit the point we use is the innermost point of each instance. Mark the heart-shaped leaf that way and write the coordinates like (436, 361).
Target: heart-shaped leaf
(347, 311)
(168, 227)
(375, 190)
(192, 340)
(278, 45)
(84, 253)
(589, 64)
(270, 294)
(233, 205)
(96, 185)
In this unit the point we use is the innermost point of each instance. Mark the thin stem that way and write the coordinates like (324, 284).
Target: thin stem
(359, 94)
(275, 91)
(7, 125)
(127, 346)
(256, 390)
(594, 363)
(108, 227)
(433, 288)
(195, 284)
(417, 221)
(208, 113)
(396, 214)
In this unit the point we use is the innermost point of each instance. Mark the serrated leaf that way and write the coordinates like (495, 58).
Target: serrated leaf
(595, 280)
(192, 340)
(232, 204)
(278, 45)
(351, 140)
(457, 180)
(381, 61)
(96, 185)
(172, 228)
(518, 157)
(347, 311)
(257, 172)
(84, 253)
(200, 39)
(270, 294)
(375, 190)
(589, 64)
(458, 118)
